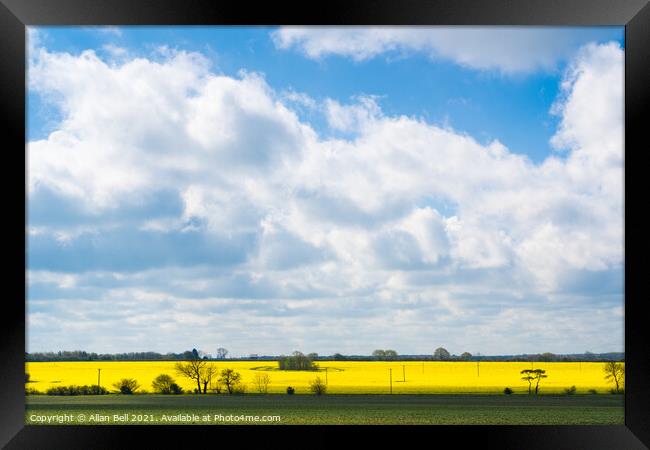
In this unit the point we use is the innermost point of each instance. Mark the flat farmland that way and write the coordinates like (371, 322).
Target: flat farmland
(329, 409)
(343, 377)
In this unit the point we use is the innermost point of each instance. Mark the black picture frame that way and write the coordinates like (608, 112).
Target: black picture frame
(633, 14)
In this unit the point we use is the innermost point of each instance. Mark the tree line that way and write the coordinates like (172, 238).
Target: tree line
(80, 355)
(439, 354)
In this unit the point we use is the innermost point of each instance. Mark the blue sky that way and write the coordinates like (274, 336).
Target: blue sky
(325, 189)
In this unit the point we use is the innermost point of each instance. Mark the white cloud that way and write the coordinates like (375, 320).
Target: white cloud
(428, 228)
(591, 112)
(506, 49)
(300, 99)
(115, 51)
(351, 117)
(353, 226)
(33, 38)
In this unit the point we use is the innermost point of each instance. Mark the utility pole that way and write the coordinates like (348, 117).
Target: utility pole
(326, 375)
(404, 373)
(391, 380)
(99, 372)
(478, 370)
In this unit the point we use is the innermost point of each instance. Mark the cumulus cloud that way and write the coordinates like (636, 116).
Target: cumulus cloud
(206, 199)
(506, 49)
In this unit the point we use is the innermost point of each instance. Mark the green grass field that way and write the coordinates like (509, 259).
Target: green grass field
(328, 409)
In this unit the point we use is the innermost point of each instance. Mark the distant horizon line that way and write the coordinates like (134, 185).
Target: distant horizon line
(257, 355)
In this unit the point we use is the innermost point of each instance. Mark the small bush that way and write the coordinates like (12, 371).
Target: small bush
(239, 389)
(570, 391)
(93, 390)
(175, 389)
(290, 390)
(126, 386)
(317, 386)
(593, 391)
(508, 391)
(77, 390)
(62, 390)
(32, 391)
(163, 384)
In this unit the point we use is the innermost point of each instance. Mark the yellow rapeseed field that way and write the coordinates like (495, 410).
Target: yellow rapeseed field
(343, 377)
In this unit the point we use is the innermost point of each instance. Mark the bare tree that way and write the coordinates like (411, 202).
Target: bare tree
(222, 353)
(262, 381)
(230, 379)
(192, 369)
(206, 376)
(317, 386)
(615, 371)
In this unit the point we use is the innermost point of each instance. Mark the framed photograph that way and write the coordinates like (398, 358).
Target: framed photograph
(409, 217)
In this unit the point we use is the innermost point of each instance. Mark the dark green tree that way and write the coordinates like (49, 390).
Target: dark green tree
(297, 361)
(390, 354)
(126, 386)
(546, 357)
(441, 354)
(531, 375)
